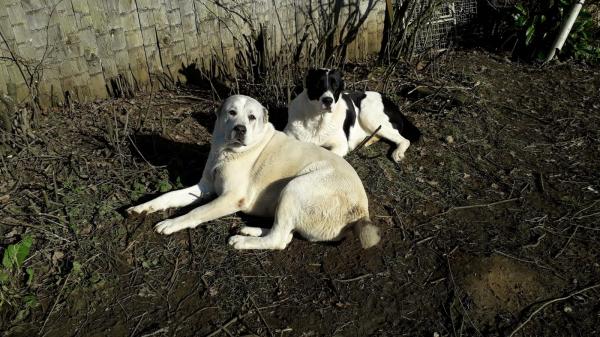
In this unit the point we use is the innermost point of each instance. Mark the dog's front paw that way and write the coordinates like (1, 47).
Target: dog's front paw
(237, 241)
(168, 226)
(398, 155)
(140, 209)
(252, 231)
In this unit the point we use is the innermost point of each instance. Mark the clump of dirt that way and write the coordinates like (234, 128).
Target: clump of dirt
(498, 285)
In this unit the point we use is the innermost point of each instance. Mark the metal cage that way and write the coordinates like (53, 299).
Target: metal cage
(445, 23)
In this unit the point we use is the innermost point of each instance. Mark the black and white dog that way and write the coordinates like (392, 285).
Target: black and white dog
(326, 115)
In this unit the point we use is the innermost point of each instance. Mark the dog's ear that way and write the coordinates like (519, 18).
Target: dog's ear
(310, 74)
(336, 72)
(265, 115)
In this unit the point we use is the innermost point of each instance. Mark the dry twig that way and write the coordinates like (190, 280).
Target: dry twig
(547, 303)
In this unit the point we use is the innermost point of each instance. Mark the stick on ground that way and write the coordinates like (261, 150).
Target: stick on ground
(547, 303)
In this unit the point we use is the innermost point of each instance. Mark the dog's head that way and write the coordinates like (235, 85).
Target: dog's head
(241, 122)
(324, 87)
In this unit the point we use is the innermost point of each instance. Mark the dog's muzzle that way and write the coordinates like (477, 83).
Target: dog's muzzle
(326, 103)
(239, 133)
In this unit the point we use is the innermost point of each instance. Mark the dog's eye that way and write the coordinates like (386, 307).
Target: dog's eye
(232, 112)
(251, 117)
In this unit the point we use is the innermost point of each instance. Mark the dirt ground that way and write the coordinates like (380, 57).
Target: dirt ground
(490, 227)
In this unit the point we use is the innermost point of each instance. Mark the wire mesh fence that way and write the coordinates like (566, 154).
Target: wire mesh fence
(445, 23)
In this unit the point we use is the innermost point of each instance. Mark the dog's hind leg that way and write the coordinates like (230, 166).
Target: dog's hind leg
(277, 238)
(402, 144)
(179, 198)
(371, 120)
(288, 210)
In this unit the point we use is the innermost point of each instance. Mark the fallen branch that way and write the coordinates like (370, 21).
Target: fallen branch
(547, 303)
(54, 305)
(224, 326)
(361, 144)
(194, 98)
(261, 316)
(354, 278)
(456, 208)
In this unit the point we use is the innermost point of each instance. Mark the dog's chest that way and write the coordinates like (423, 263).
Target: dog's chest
(228, 175)
(316, 130)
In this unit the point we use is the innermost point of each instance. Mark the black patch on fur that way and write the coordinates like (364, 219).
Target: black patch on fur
(407, 129)
(318, 81)
(357, 97)
(350, 113)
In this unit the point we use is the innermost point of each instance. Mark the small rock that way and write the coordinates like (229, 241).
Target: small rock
(213, 291)
(57, 256)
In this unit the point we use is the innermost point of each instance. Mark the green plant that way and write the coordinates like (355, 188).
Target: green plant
(13, 283)
(137, 191)
(164, 186)
(15, 255)
(538, 24)
(583, 43)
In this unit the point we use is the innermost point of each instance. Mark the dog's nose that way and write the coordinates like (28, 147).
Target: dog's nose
(327, 101)
(240, 129)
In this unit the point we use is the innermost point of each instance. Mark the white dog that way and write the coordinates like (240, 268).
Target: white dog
(257, 170)
(326, 115)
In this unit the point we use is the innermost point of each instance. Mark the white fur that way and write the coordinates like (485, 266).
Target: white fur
(272, 175)
(308, 122)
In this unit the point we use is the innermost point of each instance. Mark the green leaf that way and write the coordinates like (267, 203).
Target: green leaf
(164, 186)
(15, 254)
(21, 315)
(29, 272)
(529, 34)
(178, 183)
(6, 259)
(95, 278)
(4, 277)
(76, 267)
(30, 301)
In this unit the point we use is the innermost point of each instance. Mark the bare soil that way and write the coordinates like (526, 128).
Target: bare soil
(493, 214)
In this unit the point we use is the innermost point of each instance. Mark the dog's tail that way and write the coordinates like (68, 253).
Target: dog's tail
(366, 232)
